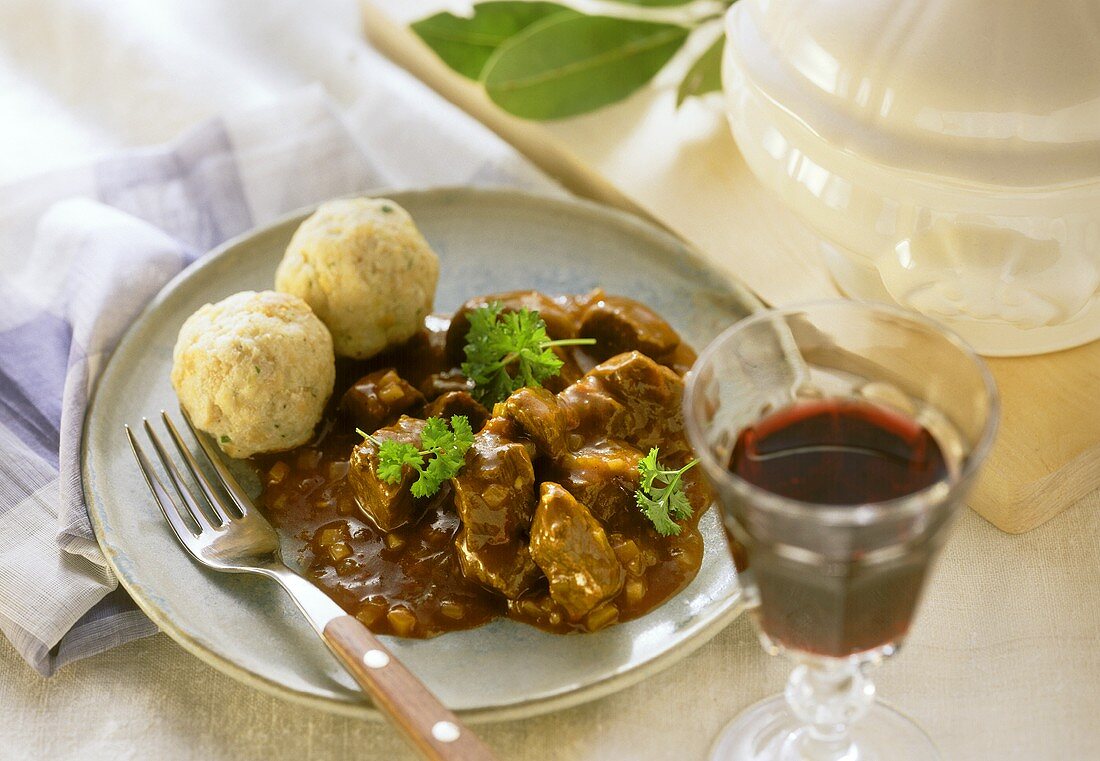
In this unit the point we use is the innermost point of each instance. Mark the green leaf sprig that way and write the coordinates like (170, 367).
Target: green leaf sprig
(466, 43)
(569, 65)
(506, 351)
(546, 60)
(444, 447)
(666, 504)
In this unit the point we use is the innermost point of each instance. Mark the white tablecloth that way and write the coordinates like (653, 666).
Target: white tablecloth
(1003, 663)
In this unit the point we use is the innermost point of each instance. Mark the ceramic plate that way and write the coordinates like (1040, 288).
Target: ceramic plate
(487, 240)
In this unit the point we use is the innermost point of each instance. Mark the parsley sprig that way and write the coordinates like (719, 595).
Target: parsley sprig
(506, 351)
(663, 505)
(444, 447)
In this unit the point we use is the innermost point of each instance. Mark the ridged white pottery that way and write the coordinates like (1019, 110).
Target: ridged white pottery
(945, 152)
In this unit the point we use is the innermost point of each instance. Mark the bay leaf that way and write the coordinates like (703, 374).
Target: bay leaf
(567, 65)
(465, 44)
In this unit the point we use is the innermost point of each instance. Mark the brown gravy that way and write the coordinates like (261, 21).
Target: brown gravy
(408, 581)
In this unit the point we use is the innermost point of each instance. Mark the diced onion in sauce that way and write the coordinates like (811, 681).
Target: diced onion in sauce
(601, 617)
(402, 620)
(278, 472)
(452, 610)
(635, 591)
(339, 551)
(330, 536)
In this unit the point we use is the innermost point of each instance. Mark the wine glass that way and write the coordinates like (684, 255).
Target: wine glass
(840, 439)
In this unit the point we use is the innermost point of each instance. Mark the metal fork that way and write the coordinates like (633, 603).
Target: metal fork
(230, 535)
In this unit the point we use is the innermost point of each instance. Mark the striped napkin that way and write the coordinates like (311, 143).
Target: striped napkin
(81, 253)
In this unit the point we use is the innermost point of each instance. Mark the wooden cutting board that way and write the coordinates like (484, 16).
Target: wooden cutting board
(1047, 453)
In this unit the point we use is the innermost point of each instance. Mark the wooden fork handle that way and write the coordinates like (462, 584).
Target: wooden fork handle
(429, 726)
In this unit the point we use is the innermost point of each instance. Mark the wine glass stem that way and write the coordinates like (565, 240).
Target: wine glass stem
(828, 695)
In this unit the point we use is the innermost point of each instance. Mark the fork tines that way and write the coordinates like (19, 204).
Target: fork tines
(188, 514)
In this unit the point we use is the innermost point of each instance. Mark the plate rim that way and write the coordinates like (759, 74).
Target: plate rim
(698, 635)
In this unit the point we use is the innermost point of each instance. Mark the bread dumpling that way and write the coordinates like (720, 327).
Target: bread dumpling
(254, 371)
(365, 270)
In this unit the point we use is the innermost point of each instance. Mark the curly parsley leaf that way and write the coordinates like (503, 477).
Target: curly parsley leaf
(393, 456)
(666, 503)
(444, 447)
(506, 351)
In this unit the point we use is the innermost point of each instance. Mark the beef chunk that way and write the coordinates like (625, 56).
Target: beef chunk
(649, 393)
(554, 312)
(495, 498)
(507, 568)
(603, 476)
(495, 490)
(458, 403)
(571, 370)
(595, 410)
(539, 415)
(435, 385)
(620, 324)
(386, 505)
(571, 548)
(379, 398)
(633, 377)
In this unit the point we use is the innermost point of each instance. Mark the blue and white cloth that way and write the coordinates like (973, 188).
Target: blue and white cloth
(83, 250)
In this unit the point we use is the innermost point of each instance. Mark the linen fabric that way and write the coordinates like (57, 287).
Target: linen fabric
(84, 249)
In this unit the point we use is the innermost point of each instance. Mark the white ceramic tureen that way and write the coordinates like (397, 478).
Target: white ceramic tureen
(945, 152)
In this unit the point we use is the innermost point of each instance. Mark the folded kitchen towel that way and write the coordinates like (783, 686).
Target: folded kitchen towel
(81, 253)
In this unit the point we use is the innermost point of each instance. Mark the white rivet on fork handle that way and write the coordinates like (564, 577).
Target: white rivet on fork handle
(376, 659)
(426, 722)
(445, 731)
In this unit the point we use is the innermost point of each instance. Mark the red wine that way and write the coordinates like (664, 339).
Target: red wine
(836, 452)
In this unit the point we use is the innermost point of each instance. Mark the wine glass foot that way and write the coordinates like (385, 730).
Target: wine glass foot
(767, 731)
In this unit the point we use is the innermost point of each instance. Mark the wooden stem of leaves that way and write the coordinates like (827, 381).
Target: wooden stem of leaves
(544, 60)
